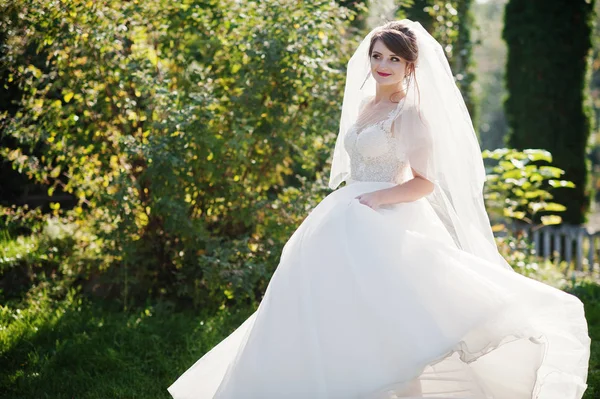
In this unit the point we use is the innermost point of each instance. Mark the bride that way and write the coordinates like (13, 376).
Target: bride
(392, 286)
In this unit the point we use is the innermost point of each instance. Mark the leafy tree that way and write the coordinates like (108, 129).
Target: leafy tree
(450, 23)
(175, 125)
(15, 187)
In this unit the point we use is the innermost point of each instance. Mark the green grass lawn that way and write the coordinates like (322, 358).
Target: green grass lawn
(74, 349)
(77, 350)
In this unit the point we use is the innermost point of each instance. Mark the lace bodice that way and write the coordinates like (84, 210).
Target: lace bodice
(374, 154)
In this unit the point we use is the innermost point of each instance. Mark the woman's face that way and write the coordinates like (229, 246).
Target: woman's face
(386, 67)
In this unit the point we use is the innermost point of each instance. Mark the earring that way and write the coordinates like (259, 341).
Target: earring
(368, 73)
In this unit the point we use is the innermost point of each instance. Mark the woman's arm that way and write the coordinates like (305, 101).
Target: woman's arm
(412, 190)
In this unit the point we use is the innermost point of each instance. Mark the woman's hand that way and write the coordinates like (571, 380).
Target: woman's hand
(372, 199)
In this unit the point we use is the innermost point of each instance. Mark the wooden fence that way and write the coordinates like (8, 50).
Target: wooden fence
(575, 245)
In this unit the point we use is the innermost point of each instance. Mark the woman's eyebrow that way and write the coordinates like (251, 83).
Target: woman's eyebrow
(395, 55)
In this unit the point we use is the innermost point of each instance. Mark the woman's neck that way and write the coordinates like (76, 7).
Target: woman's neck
(384, 93)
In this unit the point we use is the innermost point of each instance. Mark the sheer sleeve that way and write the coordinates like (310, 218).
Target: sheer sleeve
(414, 142)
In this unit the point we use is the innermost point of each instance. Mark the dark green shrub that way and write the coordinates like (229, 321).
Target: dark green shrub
(547, 77)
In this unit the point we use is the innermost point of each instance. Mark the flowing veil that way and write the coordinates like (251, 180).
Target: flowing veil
(438, 137)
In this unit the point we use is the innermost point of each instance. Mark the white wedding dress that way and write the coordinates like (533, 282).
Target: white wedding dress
(380, 303)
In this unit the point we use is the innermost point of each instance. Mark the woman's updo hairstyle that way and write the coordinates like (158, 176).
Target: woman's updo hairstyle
(400, 40)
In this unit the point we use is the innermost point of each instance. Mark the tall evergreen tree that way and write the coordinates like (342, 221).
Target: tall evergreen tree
(547, 78)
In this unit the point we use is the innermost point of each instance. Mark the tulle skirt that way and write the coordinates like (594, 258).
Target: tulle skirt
(380, 303)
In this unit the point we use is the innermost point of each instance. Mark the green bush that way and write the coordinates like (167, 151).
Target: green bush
(518, 187)
(173, 124)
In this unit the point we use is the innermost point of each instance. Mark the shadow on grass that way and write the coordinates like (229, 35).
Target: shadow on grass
(88, 351)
